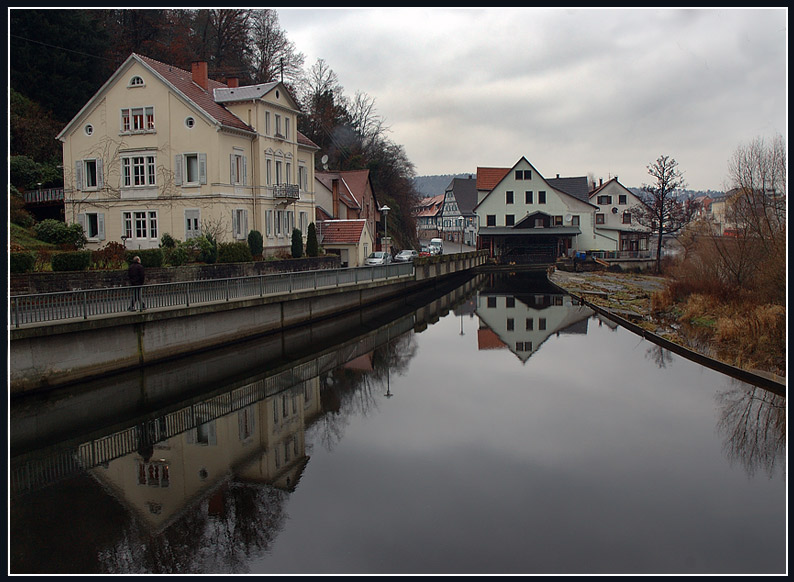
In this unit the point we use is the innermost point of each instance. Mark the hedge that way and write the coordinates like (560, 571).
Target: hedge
(236, 252)
(71, 261)
(149, 257)
(21, 262)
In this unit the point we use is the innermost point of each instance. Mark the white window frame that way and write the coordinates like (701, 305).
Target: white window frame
(138, 119)
(92, 219)
(269, 223)
(182, 163)
(140, 225)
(240, 223)
(132, 164)
(89, 167)
(303, 177)
(238, 164)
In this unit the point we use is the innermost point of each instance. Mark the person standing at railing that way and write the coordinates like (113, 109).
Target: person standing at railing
(136, 276)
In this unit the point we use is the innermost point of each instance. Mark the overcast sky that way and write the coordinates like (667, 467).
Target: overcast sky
(576, 91)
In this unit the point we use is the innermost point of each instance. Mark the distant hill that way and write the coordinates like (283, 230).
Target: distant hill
(434, 185)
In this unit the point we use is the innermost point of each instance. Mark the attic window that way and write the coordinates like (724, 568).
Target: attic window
(189, 122)
(136, 81)
(89, 129)
(276, 93)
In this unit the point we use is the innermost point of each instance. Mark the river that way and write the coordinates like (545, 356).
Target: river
(496, 428)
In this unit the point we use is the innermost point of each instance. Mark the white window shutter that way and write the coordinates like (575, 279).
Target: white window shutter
(233, 169)
(245, 171)
(235, 223)
(202, 168)
(178, 169)
(81, 221)
(100, 176)
(100, 220)
(244, 230)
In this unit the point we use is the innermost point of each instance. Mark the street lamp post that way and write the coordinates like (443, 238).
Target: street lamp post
(385, 210)
(460, 240)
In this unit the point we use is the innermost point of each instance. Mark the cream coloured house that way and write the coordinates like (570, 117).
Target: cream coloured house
(162, 150)
(616, 220)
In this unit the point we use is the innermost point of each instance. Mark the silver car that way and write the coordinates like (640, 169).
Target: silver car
(405, 256)
(378, 258)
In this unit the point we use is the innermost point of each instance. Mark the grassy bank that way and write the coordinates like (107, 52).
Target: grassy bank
(734, 328)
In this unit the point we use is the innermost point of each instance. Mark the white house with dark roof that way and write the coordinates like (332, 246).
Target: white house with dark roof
(162, 150)
(524, 219)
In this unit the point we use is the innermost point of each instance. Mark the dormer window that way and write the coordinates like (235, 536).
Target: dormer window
(136, 81)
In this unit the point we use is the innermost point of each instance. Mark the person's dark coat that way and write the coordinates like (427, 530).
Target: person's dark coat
(135, 274)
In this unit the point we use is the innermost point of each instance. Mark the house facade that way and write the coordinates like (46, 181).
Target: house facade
(162, 150)
(350, 239)
(459, 223)
(522, 218)
(346, 195)
(616, 225)
(428, 217)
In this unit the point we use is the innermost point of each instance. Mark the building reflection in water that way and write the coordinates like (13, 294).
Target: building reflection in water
(520, 311)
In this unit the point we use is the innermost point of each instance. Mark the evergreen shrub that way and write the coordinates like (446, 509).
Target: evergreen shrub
(297, 243)
(21, 262)
(235, 252)
(255, 243)
(312, 247)
(71, 261)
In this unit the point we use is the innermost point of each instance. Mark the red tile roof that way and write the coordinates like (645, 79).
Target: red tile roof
(488, 340)
(182, 80)
(488, 178)
(342, 231)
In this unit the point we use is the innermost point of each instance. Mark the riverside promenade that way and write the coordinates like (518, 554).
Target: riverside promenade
(61, 338)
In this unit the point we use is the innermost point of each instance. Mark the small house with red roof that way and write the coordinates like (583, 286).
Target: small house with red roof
(350, 239)
(159, 149)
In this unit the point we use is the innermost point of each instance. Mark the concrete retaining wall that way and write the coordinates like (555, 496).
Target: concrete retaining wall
(52, 355)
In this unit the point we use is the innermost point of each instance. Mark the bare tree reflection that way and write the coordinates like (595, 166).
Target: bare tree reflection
(659, 356)
(221, 534)
(753, 421)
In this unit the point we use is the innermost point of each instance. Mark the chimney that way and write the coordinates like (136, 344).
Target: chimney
(335, 195)
(200, 78)
(600, 182)
(232, 82)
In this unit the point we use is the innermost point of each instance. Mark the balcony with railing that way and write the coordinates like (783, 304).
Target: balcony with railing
(43, 196)
(286, 191)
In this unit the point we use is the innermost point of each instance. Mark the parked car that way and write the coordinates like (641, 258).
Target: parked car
(424, 251)
(378, 258)
(436, 246)
(405, 256)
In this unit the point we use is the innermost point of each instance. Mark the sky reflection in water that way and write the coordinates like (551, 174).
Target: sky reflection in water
(518, 433)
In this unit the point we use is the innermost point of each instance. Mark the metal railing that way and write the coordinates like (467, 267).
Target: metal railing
(43, 195)
(87, 303)
(616, 255)
(290, 191)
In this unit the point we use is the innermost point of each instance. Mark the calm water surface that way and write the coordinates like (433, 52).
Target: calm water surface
(514, 433)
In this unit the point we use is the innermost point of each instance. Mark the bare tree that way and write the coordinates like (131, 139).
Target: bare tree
(756, 210)
(364, 120)
(757, 173)
(664, 212)
(274, 55)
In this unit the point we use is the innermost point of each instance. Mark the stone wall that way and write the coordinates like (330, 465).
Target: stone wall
(50, 282)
